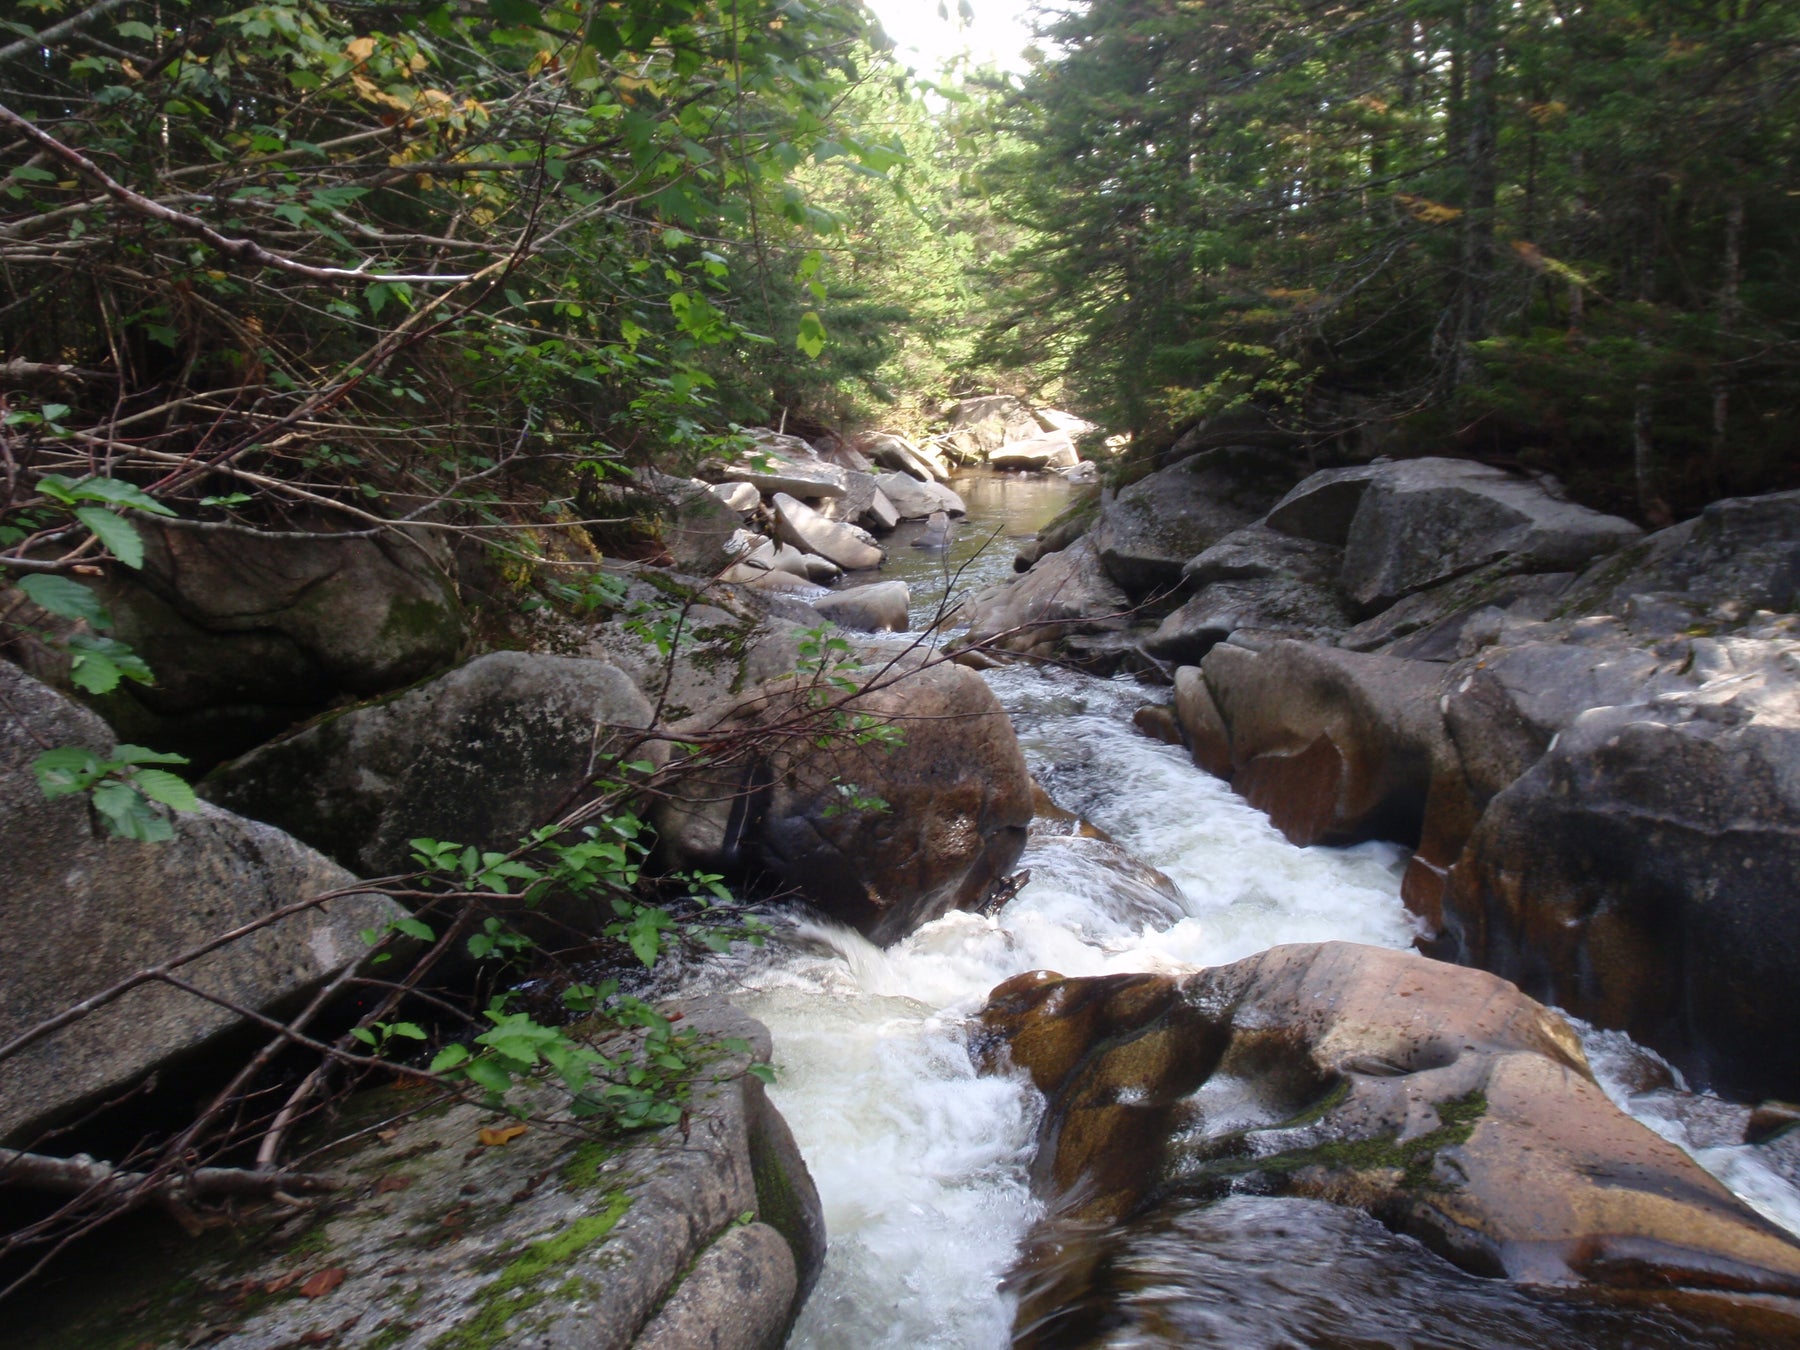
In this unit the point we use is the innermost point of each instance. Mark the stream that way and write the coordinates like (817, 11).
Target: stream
(922, 1163)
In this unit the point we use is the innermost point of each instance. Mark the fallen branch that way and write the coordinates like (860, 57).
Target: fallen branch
(86, 1176)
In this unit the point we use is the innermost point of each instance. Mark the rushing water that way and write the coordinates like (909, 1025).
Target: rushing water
(921, 1162)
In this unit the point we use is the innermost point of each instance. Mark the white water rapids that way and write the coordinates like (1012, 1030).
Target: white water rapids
(921, 1162)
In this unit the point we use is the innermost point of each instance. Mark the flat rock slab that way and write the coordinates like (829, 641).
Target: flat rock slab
(798, 524)
(83, 909)
(1053, 450)
(706, 1233)
(780, 473)
(1424, 521)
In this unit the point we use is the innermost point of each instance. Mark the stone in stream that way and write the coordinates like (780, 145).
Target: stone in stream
(885, 607)
(798, 524)
(980, 426)
(882, 515)
(84, 909)
(1437, 1098)
(937, 533)
(772, 473)
(915, 500)
(1052, 450)
(708, 1233)
(883, 833)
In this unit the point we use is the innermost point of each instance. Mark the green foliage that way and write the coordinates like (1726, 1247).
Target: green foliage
(1495, 220)
(124, 788)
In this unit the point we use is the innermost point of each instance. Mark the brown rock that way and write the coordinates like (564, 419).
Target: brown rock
(1439, 1099)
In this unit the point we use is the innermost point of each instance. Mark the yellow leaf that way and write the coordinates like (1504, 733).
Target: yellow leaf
(495, 1135)
(360, 49)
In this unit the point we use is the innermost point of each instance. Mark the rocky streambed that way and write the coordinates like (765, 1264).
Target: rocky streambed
(1087, 1036)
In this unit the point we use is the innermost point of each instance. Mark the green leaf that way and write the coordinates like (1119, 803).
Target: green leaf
(514, 13)
(129, 815)
(138, 754)
(66, 769)
(159, 785)
(449, 1058)
(65, 597)
(131, 28)
(412, 1031)
(414, 928)
(811, 337)
(118, 534)
(364, 1035)
(97, 664)
(116, 493)
(488, 1074)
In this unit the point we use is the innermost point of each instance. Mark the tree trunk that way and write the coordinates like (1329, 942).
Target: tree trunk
(1730, 310)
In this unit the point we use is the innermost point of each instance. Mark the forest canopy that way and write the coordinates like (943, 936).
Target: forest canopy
(1563, 232)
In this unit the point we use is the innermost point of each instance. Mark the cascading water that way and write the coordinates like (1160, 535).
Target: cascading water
(922, 1162)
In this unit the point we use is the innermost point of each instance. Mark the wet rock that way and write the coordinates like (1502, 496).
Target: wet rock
(1145, 536)
(1158, 722)
(885, 607)
(1065, 592)
(936, 535)
(1203, 730)
(1039, 453)
(705, 1233)
(1336, 746)
(1438, 1099)
(480, 756)
(1640, 872)
(956, 792)
(1422, 522)
(798, 524)
(84, 909)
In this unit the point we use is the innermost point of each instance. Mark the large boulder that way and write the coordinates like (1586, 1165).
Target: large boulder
(769, 472)
(885, 808)
(84, 910)
(1063, 593)
(480, 756)
(1421, 522)
(1052, 450)
(705, 1233)
(798, 524)
(1145, 536)
(916, 500)
(980, 426)
(1321, 506)
(1257, 579)
(1336, 746)
(1439, 1099)
(1641, 872)
(696, 526)
(249, 631)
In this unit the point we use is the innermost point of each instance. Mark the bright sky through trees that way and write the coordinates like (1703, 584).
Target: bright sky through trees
(997, 34)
